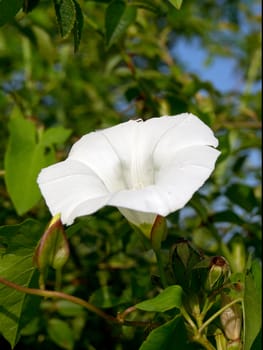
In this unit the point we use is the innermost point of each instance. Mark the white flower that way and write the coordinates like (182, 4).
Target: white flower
(145, 168)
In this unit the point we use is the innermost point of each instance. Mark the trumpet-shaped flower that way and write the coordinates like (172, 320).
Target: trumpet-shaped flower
(144, 168)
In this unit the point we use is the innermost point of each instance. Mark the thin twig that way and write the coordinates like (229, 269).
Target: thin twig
(75, 300)
(215, 315)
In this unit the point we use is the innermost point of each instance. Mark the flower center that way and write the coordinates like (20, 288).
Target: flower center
(141, 172)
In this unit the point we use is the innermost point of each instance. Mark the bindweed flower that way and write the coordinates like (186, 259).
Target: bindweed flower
(144, 168)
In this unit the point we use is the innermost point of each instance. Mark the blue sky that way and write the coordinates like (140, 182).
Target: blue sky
(221, 72)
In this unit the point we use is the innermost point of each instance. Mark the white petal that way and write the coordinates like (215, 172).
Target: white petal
(72, 189)
(143, 147)
(150, 199)
(188, 171)
(187, 131)
(174, 184)
(134, 142)
(95, 151)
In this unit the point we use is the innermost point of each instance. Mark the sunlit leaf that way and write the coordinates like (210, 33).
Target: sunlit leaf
(55, 135)
(176, 3)
(25, 157)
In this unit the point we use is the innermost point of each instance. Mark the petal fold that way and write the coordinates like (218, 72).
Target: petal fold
(72, 189)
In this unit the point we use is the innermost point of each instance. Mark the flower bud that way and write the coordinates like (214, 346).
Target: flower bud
(231, 320)
(218, 273)
(52, 250)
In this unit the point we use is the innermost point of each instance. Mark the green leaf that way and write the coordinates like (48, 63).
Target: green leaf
(117, 19)
(78, 26)
(252, 304)
(166, 336)
(176, 3)
(200, 207)
(24, 159)
(60, 333)
(66, 15)
(16, 308)
(205, 239)
(227, 216)
(43, 41)
(8, 9)
(242, 195)
(56, 135)
(168, 299)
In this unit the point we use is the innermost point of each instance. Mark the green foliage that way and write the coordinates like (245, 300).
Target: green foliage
(24, 158)
(252, 304)
(165, 335)
(8, 10)
(16, 256)
(66, 13)
(60, 332)
(169, 298)
(70, 19)
(176, 3)
(105, 297)
(124, 64)
(117, 19)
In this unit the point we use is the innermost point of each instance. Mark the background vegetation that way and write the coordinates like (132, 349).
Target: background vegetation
(69, 67)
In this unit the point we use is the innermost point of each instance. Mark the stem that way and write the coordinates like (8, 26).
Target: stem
(207, 306)
(161, 267)
(197, 338)
(58, 279)
(205, 342)
(75, 300)
(56, 294)
(188, 318)
(215, 315)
